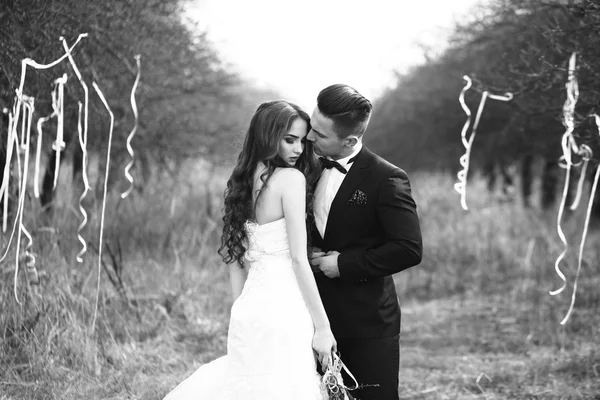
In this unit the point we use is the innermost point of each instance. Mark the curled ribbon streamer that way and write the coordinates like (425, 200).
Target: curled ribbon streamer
(506, 97)
(19, 92)
(40, 123)
(5, 180)
(14, 143)
(38, 155)
(12, 234)
(24, 63)
(58, 106)
(13, 138)
(4, 189)
(461, 185)
(31, 63)
(10, 140)
(566, 150)
(21, 145)
(585, 229)
(110, 135)
(567, 143)
(586, 153)
(582, 244)
(85, 190)
(83, 143)
(135, 126)
(30, 265)
(28, 105)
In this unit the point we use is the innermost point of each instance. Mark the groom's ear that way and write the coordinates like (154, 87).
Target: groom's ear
(351, 141)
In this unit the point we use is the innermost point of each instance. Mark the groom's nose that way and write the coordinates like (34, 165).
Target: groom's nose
(311, 136)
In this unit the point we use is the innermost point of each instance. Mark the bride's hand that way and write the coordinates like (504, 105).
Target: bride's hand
(323, 344)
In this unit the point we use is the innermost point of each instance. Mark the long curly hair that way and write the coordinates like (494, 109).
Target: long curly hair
(271, 121)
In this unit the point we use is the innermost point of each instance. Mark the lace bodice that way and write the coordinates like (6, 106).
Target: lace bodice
(268, 256)
(266, 239)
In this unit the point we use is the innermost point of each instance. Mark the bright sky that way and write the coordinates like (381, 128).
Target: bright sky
(299, 47)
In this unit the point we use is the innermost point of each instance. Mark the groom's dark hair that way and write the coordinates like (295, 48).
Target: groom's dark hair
(349, 110)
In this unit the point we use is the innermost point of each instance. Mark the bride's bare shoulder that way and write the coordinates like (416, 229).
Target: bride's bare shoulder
(288, 177)
(289, 173)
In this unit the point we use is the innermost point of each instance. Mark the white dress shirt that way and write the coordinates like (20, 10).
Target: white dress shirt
(329, 183)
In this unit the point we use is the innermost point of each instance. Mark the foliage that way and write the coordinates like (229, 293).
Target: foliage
(188, 101)
(518, 46)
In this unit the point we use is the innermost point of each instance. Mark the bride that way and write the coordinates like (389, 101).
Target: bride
(278, 322)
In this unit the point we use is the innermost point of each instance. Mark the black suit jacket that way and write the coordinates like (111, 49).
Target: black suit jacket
(373, 223)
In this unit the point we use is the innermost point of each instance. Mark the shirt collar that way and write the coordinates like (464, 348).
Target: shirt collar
(344, 161)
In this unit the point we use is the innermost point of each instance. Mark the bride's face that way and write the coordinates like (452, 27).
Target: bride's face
(292, 143)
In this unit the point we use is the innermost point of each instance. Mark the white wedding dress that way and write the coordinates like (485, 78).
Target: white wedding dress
(269, 345)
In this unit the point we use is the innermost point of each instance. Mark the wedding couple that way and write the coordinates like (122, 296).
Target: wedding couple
(312, 244)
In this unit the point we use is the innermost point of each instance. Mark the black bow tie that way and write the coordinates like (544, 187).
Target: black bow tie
(327, 163)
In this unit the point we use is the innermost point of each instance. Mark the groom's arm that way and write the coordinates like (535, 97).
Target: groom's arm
(402, 249)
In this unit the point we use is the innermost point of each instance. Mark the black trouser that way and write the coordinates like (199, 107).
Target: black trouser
(372, 362)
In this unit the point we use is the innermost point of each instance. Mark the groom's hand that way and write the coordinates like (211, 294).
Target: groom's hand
(326, 263)
(315, 253)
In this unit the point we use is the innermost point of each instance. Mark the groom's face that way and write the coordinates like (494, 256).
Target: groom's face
(325, 141)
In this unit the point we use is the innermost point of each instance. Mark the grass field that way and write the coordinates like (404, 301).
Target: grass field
(478, 322)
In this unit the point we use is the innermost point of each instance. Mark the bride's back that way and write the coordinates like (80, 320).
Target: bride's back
(269, 207)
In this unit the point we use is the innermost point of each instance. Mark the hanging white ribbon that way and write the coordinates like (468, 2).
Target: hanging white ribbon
(15, 117)
(567, 144)
(82, 134)
(585, 225)
(461, 185)
(21, 100)
(59, 144)
(106, 171)
(28, 106)
(6, 175)
(135, 126)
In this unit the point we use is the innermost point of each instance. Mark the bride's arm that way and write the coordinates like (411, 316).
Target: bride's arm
(294, 209)
(237, 276)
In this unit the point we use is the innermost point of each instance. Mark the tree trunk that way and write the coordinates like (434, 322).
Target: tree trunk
(47, 192)
(508, 182)
(527, 179)
(549, 183)
(596, 204)
(77, 163)
(489, 172)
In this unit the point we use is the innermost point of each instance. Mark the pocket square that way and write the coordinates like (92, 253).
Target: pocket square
(358, 197)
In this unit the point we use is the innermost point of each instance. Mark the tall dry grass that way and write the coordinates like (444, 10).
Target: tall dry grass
(500, 249)
(164, 300)
(159, 265)
(479, 321)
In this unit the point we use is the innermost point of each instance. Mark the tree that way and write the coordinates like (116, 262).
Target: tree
(184, 87)
(517, 46)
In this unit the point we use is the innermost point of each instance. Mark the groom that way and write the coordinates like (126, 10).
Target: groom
(365, 229)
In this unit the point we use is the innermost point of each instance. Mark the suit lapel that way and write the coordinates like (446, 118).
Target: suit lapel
(359, 171)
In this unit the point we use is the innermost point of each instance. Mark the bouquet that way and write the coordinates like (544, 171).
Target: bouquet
(332, 384)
